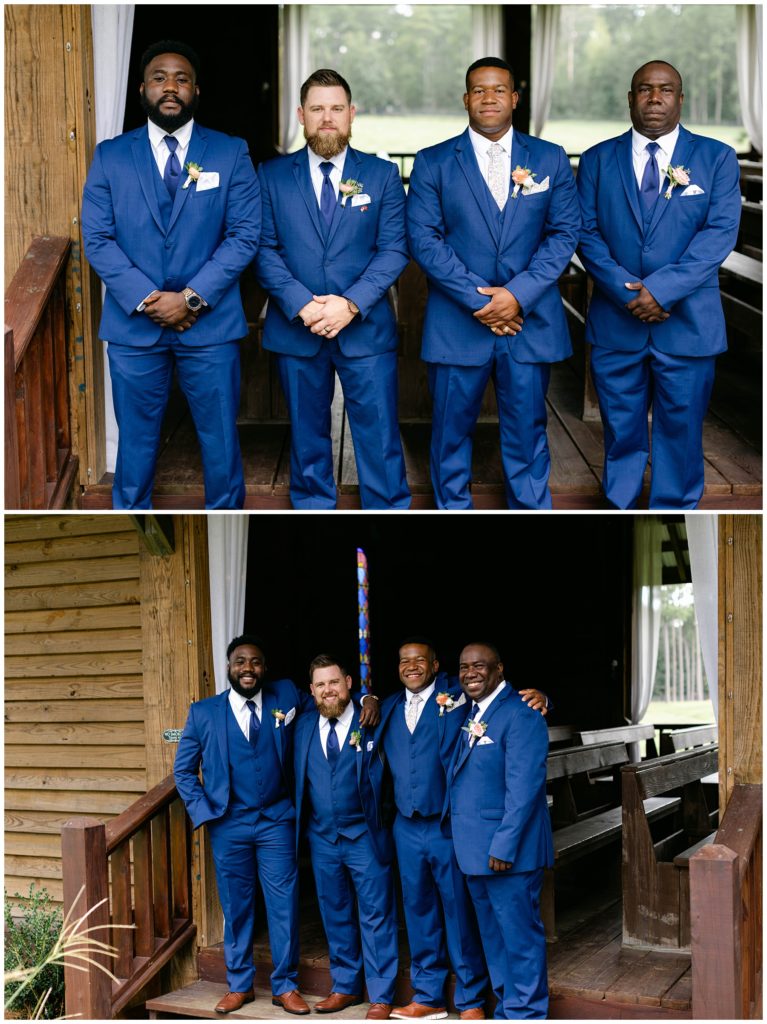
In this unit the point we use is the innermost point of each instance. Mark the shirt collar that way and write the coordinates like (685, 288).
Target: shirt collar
(482, 144)
(487, 701)
(424, 694)
(344, 719)
(183, 134)
(238, 701)
(666, 142)
(337, 161)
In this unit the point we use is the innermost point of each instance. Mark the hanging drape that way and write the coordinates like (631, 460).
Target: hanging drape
(294, 70)
(748, 21)
(703, 545)
(112, 26)
(228, 560)
(545, 31)
(646, 615)
(486, 31)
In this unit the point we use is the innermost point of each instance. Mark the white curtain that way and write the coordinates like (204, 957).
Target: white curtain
(486, 31)
(646, 615)
(112, 26)
(545, 31)
(748, 19)
(294, 70)
(703, 545)
(228, 558)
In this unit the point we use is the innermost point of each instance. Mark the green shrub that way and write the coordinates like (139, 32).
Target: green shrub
(30, 936)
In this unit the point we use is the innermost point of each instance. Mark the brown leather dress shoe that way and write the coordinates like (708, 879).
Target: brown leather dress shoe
(378, 1011)
(417, 1011)
(336, 1002)
(233, 1001)
(475, 1013)
(291, 1002)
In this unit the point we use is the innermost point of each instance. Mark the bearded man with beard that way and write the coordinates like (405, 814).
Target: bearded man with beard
(339, 800)
(332, 245)
(243, 740)
(171, 217)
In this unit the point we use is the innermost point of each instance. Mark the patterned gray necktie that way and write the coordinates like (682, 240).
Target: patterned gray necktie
(411, 717)
(496, 175)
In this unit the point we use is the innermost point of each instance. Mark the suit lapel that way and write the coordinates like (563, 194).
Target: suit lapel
(464, 152)
(146, 169)
(486, 716)
(221, 712)
(519, 158)
(625, 159)
(351, 170)
(269, 704)
(197, 146)
(304, 182)
(680, 157)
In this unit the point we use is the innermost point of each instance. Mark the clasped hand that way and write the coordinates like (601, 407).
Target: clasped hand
(502, 314)
(644, 305)
(326, 315)
(168, 309)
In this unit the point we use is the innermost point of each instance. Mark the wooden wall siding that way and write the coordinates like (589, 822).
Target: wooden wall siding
(74, 701)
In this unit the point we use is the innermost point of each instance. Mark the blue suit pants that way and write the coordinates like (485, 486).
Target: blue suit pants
(209, 376)
(520, 390)
(359, 914)
(508, 911)
(245, 849)
(439, 916)
(370, 395)
(679, 389)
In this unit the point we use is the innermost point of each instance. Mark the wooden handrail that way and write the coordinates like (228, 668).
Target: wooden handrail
(30, 290)
(726, 913)
(139, 865)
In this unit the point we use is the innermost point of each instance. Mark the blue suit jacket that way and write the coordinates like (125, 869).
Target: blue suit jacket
(362, 255)
(204, 742)
(211, 237)
(459, 241)
(678, 259)
(370, 777)
(497, 791)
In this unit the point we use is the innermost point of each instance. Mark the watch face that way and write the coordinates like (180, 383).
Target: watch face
(193, 302)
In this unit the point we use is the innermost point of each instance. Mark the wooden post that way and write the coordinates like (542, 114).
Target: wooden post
(84, 864)
(12, 497)
(715, 913)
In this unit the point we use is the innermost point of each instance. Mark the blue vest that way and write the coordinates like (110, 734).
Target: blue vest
(419, 778)
(334, 797)
(256, 782)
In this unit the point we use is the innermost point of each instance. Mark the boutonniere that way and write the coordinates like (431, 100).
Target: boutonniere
(355, 740)
(676, 176)
(523, 179)
(445, 701)
(475, 729)
(194, 171)
(350, 187)
(278, 716)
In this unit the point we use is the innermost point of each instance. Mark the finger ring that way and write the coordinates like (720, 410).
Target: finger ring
(325, 330)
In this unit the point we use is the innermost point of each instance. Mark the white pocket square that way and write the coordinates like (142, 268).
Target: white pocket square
(290, 716)
(693, 190)
(370, 745)
(457, 703)
(483, 740)
(542, 186)
(361, 199)
(207, 179)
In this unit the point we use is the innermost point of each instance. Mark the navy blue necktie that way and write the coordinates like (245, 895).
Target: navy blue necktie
(328, 194)
(650, 179)
(255, 725)
(470, 719)
(332, 747)
(172, 174)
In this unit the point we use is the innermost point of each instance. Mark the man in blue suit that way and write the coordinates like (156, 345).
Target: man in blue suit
(333, 244)
(171, 218)
(339, 799)
(419, 728)
(243, 739)
(492, 220)
(502, 831)
(661, 209)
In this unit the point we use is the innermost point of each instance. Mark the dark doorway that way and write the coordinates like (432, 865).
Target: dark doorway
(552, 593)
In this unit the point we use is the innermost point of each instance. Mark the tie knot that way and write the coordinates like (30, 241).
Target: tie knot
(250, 705)
(332, 722)
(326, 167)
(652, 148)
(171, 143)
(496, 147)
(474, 711)
(416, 699)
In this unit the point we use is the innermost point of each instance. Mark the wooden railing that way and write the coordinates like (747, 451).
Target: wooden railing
(39, 465)
(726, 914)
(141, 862)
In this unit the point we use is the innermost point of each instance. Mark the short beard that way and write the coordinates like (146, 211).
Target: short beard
(334, 710)
(247, 694)
(326, 144)
(169, 122)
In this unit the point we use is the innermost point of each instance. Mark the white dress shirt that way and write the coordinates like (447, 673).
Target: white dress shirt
(318, 177)
(424, 695)
(160, 151)
(662, 155)
(242, 713)
(481, 146)
(343, 724)
(485, 703)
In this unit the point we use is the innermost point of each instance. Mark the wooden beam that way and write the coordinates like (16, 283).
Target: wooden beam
(157, 533)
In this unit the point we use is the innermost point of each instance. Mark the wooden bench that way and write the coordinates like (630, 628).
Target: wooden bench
(688, 738)
(656, 892)
(622, 734)
(560, 734)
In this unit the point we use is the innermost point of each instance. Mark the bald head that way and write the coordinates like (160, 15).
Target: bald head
(660, 64)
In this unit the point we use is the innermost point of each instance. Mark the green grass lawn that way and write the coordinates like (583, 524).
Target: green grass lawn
(701, 712)
(375, 133)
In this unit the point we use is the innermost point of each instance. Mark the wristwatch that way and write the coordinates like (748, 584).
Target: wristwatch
(353, 309)
(192, 300)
